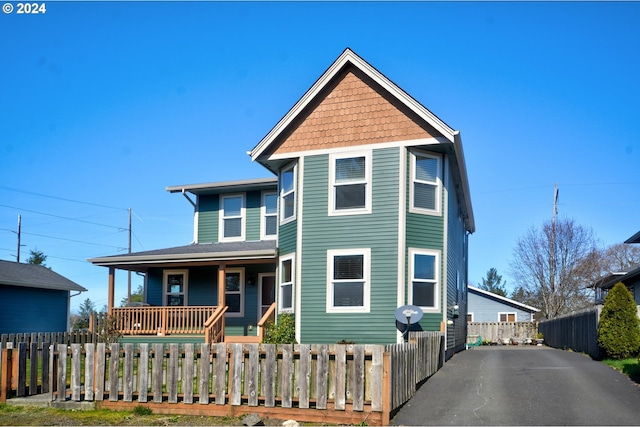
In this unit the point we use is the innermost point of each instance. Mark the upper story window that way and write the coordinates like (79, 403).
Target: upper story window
(285, 294)
(425, 186)
(232, 217)
(424, 289)
(269, 215)
(175, 287)
(350, 175)
(348, 281)
(288, 193)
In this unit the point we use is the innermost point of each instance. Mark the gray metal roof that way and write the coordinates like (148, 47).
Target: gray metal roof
(34, 276)
(634, 239)
(201, 252)
(506, 300)
(226, 186)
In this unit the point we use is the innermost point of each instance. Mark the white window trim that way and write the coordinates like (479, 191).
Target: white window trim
(185, 274)
(293, 167)
(507, 313)
(366, 252)
(470, 314)
(263, 216)
(243, 218)
(438, 210)
(289, 257)
(438, 285)
(367, 181)
(241, 292)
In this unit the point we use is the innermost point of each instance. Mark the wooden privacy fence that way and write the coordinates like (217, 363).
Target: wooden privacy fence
(314, 383)
(577, 331)
(499, 331)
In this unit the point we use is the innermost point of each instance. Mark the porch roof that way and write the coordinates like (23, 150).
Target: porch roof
(201, 253)
(624, 276)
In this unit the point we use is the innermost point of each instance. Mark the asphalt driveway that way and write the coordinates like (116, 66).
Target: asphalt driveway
(523, 386)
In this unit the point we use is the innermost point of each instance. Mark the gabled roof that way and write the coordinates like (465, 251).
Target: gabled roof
(196, 253)
(34, 276)
(226, 186)
(500, 298)
(347, 59)
(634, 239)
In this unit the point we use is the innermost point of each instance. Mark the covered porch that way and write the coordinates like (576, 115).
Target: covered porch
(222, 291)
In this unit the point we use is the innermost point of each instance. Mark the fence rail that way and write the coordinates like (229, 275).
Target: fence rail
(315, 383)
(162, 320)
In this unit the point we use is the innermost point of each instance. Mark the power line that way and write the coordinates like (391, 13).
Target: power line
(64, 217)
(75, 241)
(2, 187)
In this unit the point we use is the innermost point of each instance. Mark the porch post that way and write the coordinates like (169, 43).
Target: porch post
(221, 285)
(112, 283)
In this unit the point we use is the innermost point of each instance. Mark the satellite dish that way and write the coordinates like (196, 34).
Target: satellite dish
(408, 314)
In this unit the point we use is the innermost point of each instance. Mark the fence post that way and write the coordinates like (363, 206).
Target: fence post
(5, 374)
(386, 388)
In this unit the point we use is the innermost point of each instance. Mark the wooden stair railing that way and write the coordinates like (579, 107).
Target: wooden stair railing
(214, 326)
(269, 316)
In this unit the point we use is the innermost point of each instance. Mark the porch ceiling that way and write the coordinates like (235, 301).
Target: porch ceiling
(196, 254)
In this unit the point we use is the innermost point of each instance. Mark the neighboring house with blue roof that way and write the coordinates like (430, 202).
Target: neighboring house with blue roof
(368, 210)
(485, 306)
(33, 298)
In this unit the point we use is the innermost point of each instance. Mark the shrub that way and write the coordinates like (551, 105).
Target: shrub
(619, 327)
(283, 332)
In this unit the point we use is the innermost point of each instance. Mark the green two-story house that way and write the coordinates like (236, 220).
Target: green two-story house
(368, 210)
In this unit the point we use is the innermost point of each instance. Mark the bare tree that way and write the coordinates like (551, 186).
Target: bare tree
(557, 264)
(620, 256)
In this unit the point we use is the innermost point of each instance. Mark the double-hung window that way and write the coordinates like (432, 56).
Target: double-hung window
(234, 292)
(232, 217)
(507, 317)
(350, 183)
(425, 287)
(269, 215)
(348, 280)
(287, 274)
(425, 186)
(175, 287)
(288, 194)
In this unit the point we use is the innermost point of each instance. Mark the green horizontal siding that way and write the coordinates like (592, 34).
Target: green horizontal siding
(424, 232)
(208, 218)
(377, 231)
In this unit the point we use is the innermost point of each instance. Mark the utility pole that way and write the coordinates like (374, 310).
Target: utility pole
(19, 227)
(129, 271)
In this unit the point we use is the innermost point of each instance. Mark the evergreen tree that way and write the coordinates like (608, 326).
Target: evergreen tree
(493, 283)
(619, 327)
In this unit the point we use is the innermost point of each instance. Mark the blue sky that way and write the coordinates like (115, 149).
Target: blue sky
(104, 104)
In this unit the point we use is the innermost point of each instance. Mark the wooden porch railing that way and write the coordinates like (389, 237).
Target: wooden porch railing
(162, 320)
(214, 326)
(269, 316)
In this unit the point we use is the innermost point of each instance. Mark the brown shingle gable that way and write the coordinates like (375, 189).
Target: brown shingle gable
(354, 112)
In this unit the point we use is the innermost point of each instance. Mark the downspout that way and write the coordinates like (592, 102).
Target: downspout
(195, 215)
(69, 309)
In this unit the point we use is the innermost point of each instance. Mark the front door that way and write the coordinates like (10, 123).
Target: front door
(267, 292)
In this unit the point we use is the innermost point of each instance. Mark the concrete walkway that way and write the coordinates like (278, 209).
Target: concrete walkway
(523, 385)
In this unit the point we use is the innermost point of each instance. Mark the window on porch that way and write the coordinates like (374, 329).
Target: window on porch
(234, 292)
(175, 287)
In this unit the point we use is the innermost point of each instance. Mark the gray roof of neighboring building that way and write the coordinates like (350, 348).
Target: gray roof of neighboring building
(634, 239)
(618, 276)
(226, 186)
(505, 300)
(225, 251)
(34, 276)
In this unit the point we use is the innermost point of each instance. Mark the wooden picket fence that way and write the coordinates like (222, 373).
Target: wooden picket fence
(313, 383)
